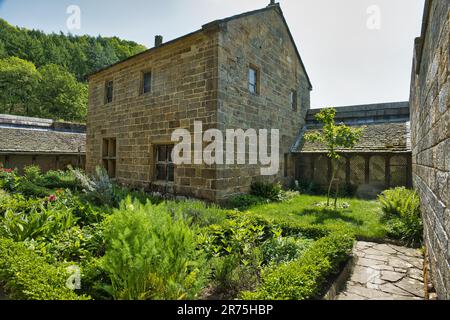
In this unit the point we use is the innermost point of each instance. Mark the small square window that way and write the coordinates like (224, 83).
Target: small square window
(293, 100)
(146, 82)
(253, 81)
(109, 90)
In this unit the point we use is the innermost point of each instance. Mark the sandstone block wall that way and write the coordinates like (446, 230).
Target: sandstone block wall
(261, 41)
(184, 90)
(430, 123)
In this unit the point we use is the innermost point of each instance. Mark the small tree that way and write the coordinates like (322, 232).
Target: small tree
(334, 137)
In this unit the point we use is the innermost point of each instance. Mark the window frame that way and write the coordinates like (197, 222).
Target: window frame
(293, 100)
(256, 85)
(167, 163)
(142, 86)
(107, 82)
(109, 156)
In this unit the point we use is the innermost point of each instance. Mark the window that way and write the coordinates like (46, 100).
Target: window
(253, 81)
(293, 99)
(146, 82)
(164, 163)
(109, 154)
(109, 89)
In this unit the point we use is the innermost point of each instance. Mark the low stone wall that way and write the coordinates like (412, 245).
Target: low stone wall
(45, 162)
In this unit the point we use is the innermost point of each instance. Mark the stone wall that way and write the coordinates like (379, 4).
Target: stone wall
(430, 121)
(200, 77)
(184, 82)
(263, 42)
(45, 162)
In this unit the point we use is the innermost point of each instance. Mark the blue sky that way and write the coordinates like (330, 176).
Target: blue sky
(347, 61)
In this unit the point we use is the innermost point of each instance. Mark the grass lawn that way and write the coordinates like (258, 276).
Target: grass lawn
(362, 216)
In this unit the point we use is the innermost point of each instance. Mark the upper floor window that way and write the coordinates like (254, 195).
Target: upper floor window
(109, 89)
(253, 80)
(146, 82)
(293, 99)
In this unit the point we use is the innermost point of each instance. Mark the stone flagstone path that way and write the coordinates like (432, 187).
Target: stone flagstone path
(385, 272)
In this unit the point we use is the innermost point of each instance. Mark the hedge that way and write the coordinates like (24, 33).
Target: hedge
(24, 275)
(305, 278)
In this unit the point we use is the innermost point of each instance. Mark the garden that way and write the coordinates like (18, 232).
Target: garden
(65, 235)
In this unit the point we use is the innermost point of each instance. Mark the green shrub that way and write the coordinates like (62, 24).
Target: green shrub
(270, 191)
(151, 254)
(74, 244)
(32, 174)
(59, 180)
(231, 274)
(198, 213)
(245, 201)
(305, 277)
(284, 249)
(30, 189)
(8, 179)
(401, 210)
(27, 276)
(42, 223)
(239, 235)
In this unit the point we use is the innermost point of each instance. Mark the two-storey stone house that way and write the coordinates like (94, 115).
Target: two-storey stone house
(237, 73)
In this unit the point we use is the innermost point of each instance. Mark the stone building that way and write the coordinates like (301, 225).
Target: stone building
(380, 160)
(51, 145)
(430, 124)
(237, 73)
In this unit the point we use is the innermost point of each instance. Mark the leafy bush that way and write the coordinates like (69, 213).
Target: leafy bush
(270, 191)
(27, 276)
(30, 189)
(99, 189)
(236, 236)
(231, 274)
(284, 249)
(198, 213)
(151, 254)
(74, 244)
(59, 180)
(8, 179)
(43, 222)
(401, 209)
(245, 201)
(304, 278)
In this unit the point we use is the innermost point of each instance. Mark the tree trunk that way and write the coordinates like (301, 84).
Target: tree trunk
(331, 183)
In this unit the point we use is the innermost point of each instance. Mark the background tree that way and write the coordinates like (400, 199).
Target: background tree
(60, 95)
(334, 137)
(18, 82)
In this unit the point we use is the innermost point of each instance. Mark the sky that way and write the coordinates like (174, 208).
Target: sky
(355, 51)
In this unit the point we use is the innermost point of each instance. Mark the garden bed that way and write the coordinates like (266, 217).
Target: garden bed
(131, 245)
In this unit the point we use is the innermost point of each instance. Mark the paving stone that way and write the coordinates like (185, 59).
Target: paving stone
(368, 262)
(364, 245)
(384, 272)
(407, 251)
(385, 248)
(376, 252)
(350, 296)
(368, 293)
(390, 288)
(377, 257)
(415, 274)
(412, 286)
(392, 276)
(399, 263)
